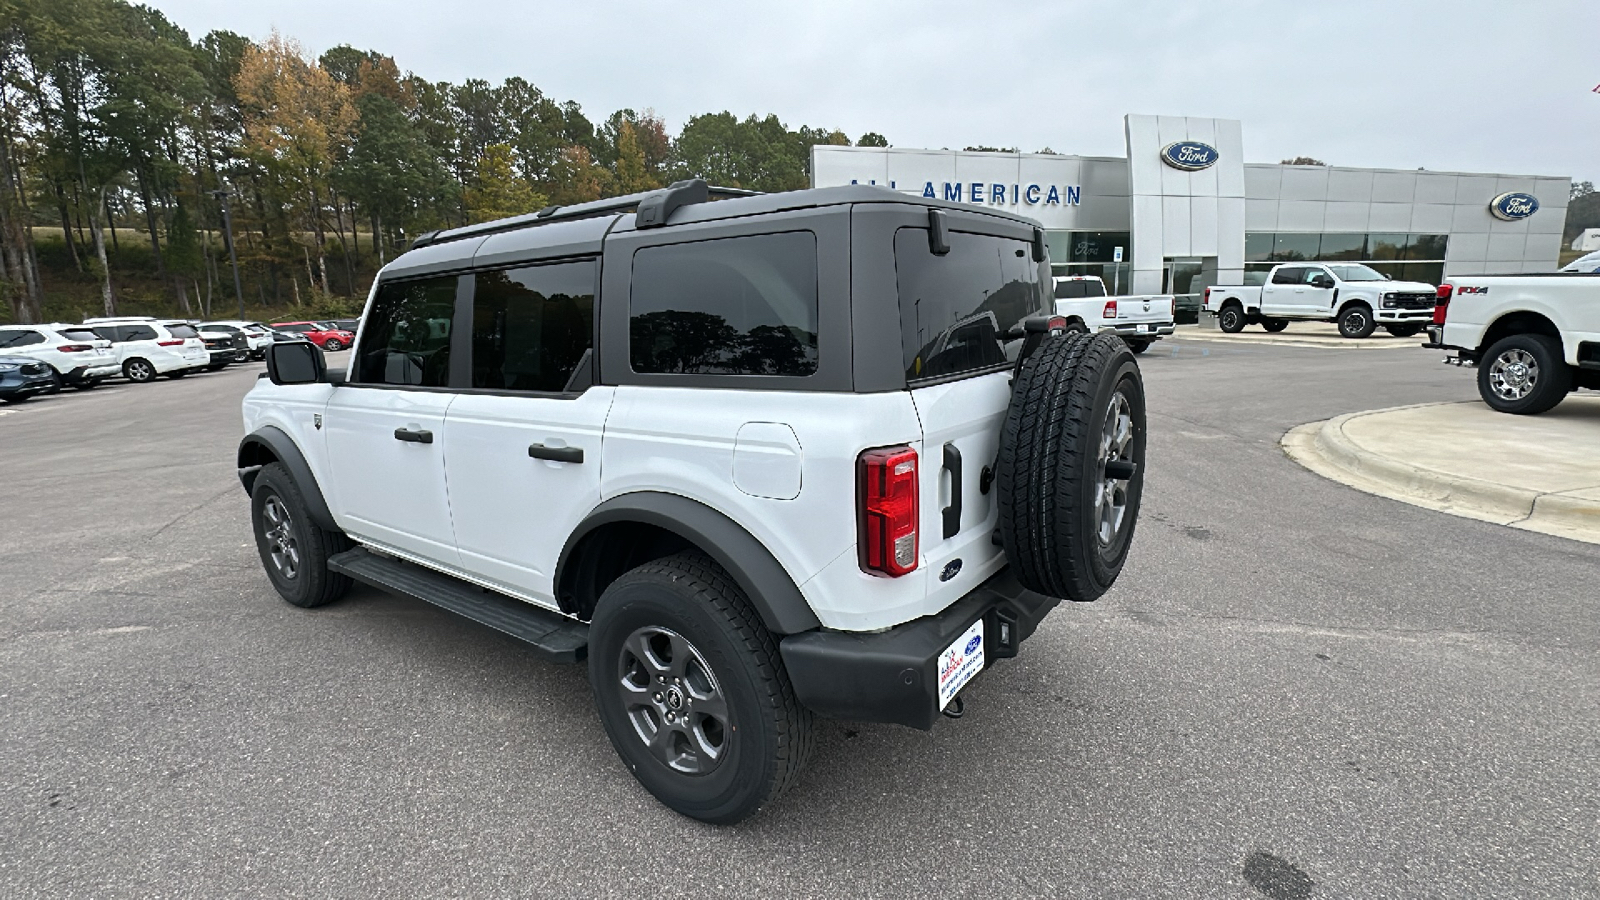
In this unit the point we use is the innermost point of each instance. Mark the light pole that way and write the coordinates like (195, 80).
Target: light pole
(227, 231)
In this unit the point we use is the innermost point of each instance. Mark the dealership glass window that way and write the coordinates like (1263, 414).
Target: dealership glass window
(1409, 257)
(1068, 247)
(734, 306)
(531, 327)
(1117, 276)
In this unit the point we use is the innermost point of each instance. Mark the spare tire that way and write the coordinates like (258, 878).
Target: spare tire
(1077, 409)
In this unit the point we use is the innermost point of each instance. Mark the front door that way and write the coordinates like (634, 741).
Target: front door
(387, 436)
(524, 461)
(1317, 297)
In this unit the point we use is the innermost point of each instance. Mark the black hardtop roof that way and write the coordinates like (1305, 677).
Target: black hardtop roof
(587, 224)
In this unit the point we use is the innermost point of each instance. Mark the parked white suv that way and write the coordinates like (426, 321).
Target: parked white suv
(1358, 298)
(76, 355)
(147, 347)
(1533, 338)
(822, 452)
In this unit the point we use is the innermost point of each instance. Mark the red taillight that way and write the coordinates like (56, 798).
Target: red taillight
(1441, 302)
(169, 343)
(1056, 324)
(74, 348)
(886, 480)
(1110, 312)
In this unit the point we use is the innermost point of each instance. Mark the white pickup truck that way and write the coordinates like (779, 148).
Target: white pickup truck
(1534, 338)
(1141, 319)
(1357, 297)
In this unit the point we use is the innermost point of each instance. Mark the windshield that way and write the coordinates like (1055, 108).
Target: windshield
(1358, 273)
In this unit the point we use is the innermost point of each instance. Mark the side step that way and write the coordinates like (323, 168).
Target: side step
(552, 634)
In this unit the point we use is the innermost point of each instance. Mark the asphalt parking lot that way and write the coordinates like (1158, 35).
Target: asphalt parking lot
(1295, 690)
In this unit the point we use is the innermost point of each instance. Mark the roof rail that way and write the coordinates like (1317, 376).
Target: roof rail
(654, 208)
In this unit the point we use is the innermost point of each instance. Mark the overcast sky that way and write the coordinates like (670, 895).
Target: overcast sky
(1500, 86)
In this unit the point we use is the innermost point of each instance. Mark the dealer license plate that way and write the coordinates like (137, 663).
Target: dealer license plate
(1144, 329)
(959, 662)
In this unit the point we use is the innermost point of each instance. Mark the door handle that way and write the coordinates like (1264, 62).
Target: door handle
(952, 513)
(419, 436)
(556, 454)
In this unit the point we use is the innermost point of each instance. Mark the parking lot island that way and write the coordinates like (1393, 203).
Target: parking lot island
(1467, 460)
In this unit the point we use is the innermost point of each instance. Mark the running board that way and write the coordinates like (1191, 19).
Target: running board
(552, 634)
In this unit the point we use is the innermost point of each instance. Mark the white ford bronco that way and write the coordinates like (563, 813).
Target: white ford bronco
(825, 452)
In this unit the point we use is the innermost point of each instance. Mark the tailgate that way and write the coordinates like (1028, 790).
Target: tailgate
(957, 513)
(1133, 310)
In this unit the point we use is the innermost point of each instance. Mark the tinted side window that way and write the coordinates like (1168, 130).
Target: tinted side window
(297, 329)
(78, 334)
(735, 306)
(407, 340)
(1291, 275)
(956, 309)
(183, 331)
(138, 333)
(531, 327)
(20, 338)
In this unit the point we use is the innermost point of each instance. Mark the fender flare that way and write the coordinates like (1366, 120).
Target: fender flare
(271, 441)
(773, 593)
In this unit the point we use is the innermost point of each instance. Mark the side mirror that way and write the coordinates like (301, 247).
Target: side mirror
(1322, 281)
(296, 362)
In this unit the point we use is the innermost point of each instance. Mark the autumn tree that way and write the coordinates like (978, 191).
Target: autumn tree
(297, 118)
(497, 191)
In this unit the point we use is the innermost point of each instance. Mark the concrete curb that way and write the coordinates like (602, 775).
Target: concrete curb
(1326, 449)
(1280, 340)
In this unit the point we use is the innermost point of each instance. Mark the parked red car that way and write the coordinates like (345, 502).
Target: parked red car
(323, 334)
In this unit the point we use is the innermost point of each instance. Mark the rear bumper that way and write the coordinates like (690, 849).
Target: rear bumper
(1132, 329)
(892, 676)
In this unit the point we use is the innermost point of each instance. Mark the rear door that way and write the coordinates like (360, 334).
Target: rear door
(1279, 295)
(524, 460)
(958, 310)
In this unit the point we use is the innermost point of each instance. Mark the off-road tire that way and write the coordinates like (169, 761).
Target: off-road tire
(1232, 318)
(1551, 377)
(1356, 321)
(1274, 326)
(139, 370)
(769, 733)
(1403, 331)
(312, 584)
(1050, 470)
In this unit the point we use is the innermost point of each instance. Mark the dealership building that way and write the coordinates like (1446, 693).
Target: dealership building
(1184, 210)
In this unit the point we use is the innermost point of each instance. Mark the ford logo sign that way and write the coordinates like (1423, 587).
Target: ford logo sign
(1514, 205)
(972, 645)
(1191, 156)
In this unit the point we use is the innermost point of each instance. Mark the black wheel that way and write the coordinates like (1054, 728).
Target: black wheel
(333, 345)
(1139, 346)
(692, 691)
(1232, 319)
(1274, 325)
(294, 550)
(1403, 331)
(241, 356)
(1524, 374)
(17, 398)
(1076, 326)
(1356, 321)
(1071, 466)
(139, 370)
(88, 384)
(56, 382)
(176, 375)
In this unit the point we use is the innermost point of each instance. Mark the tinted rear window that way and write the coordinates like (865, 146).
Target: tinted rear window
(956, 309)
(183, 331)
(1077, 290)
(78, 334)
(735, 306)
